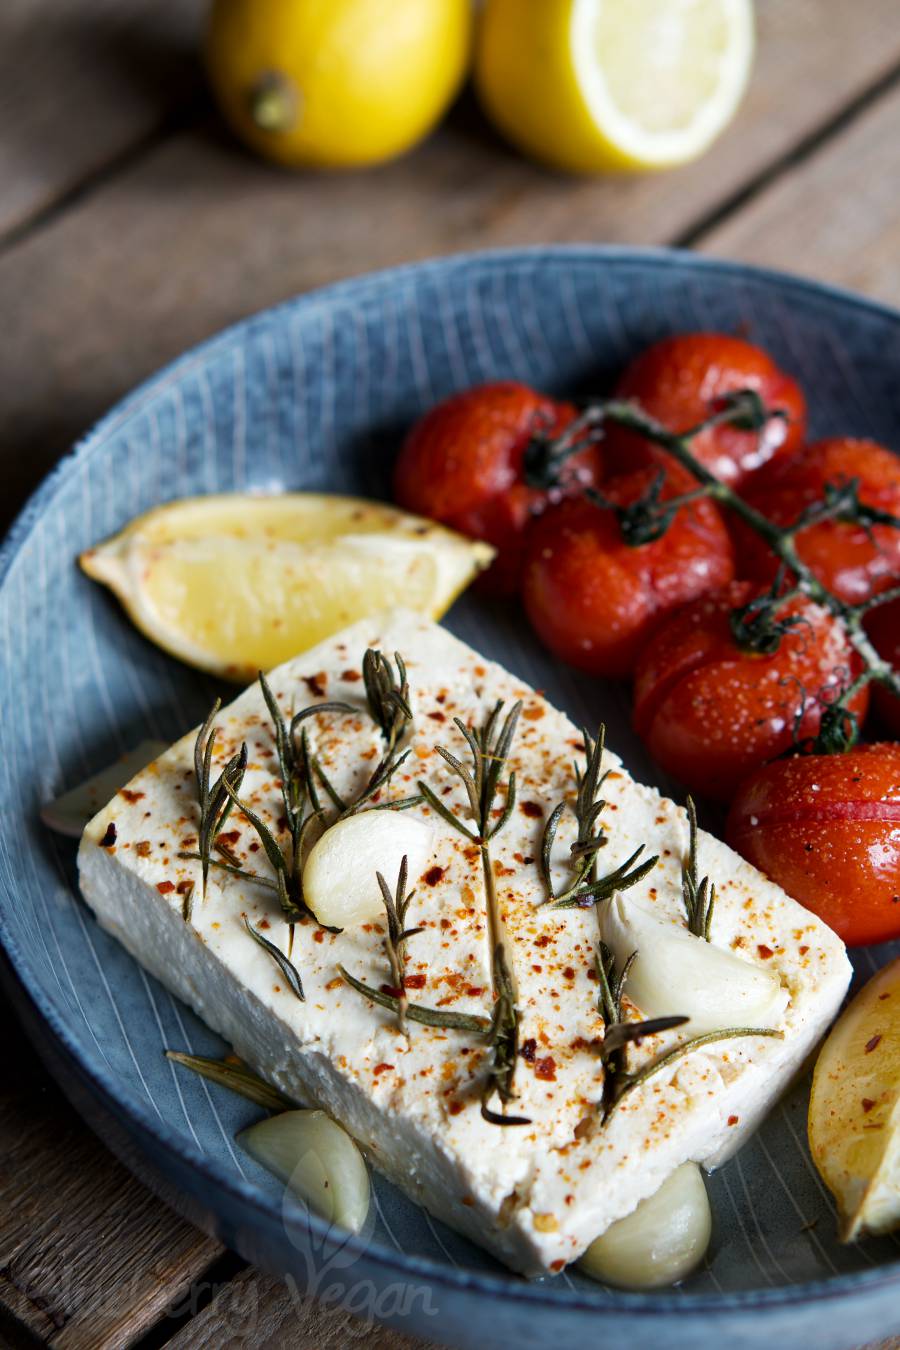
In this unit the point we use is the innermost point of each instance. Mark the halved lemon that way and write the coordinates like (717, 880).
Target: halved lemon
(854, 1109)
(237, 584)
(592, 85)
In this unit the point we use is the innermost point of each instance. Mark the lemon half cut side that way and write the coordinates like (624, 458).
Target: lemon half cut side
(236, 584)
(611, 85)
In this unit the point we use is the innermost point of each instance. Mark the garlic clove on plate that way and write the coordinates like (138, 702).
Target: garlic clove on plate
(661, 1241)
(340, 877)
(676, 972)
(317, 1160)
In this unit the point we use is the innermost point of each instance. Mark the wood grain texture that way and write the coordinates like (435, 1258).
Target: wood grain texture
(258, 1312)
(198, 233)
(81, 81)
(89, 1259)
(836, 216)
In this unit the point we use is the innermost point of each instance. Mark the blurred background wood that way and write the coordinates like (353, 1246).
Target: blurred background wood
(132, 226)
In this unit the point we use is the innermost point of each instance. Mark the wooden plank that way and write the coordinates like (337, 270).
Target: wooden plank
(83, 80)
(836, 216)
(258, 1312)
(89, 1259)
(198, 233)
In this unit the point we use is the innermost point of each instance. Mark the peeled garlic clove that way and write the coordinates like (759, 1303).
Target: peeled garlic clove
(70, 813)
(339, 879)
(661, 1241)
(676, 972)
(317, 1160)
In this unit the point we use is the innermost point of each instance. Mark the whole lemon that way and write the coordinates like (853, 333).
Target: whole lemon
(336, 83)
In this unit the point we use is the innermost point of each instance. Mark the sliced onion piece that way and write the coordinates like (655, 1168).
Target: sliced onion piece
(339, 879)
(70, 813)
(661, 1241)
(317, 1160)
(676, 972)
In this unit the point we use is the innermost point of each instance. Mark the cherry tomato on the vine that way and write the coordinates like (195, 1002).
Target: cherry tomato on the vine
(827, 829)
(462, 464)
(883, 625)
(679, 380)
(710, 712)
(592, 598)
(852, 561)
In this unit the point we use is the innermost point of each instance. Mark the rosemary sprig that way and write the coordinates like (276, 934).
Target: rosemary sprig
(503, 1039)
(286, 966)
(618, 1081)
(236, 1077)
(618, 1033)
(214, 800)
(699, 896)
(584, 887)
(489, 748)
(762, 625)
(397, 936)
(429, 1017)
(387, 697)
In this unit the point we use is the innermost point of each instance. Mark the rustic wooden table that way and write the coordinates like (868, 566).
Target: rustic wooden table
(130, 227)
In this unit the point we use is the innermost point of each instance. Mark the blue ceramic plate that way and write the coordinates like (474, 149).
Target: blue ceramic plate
(314, 394)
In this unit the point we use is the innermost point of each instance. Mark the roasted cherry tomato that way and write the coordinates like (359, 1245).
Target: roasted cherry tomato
(592, 598)
(711, 713)
(679, 381)
(461, 464)
(884, 629)
(851, 561)
(827, 829)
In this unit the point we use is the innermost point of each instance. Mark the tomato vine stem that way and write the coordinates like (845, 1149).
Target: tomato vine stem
(647, 519)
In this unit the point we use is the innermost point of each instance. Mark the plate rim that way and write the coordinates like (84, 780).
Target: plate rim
(157, 1133)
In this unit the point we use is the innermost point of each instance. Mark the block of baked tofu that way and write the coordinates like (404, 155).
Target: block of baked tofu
(535, 1195)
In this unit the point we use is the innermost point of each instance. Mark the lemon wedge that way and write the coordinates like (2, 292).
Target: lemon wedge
(854, 1109)
(593, 85)
(237, 584)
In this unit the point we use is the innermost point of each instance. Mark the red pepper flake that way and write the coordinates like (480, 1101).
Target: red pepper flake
(534, 712)
(543, 941)
(557, 1265)
(867, 1104)
(414, 982)
(264, 923)
(546, 1069)
(392, 990)
(316, 684)
(130, 796)
(474, 990)
(351, 676)
(764, 951)
(184, 886)
(438, 716)
(873, 1043)
(528, 1050)
(382, 1068)
(164, 887)
(433, 875)
(143, 848)
(538, 970)
(733, 1120)
(454, 1108)
(230, 837)
(253, 846)
(533, 809)
(568, 973)
(468, 1201)
(319, 935)
(110, 837)
(803, 950)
